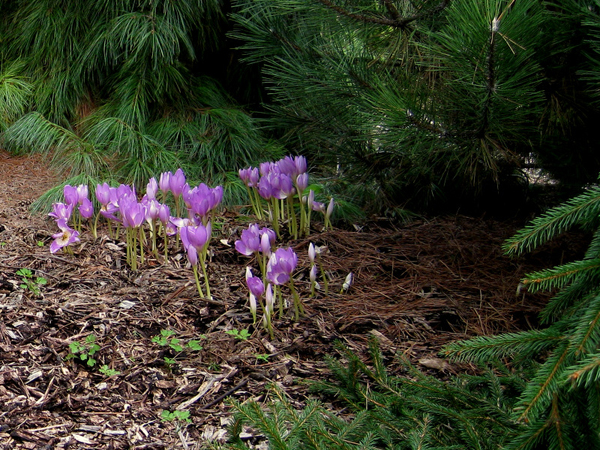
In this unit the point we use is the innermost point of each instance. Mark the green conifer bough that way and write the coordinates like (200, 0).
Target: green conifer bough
(560, 405)
(427, 100)
(119, 89)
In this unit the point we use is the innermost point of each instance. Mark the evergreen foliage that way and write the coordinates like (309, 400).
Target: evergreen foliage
(559, 405)
(430, 101)
(119, 89)
(413, 412)
(538, 389)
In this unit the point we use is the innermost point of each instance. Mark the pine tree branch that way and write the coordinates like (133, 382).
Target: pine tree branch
(490, 78)
(396, 21)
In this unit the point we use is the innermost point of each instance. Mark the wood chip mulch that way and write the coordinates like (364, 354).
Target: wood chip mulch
(416, 288)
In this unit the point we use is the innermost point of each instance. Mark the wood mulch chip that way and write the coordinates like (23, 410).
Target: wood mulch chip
(416, 288)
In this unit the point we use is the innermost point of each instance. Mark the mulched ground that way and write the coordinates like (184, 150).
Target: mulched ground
(416, 288)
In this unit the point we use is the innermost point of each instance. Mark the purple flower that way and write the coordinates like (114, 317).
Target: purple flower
(281, 265)
(67, 236)
(312, 252)
(265, 190)
(192, 255)
(275, 184)
(249, 242)
(122, 194)
(329, 208)
(202, 199)
(164, 213)
(70, 193)
(82, 193)
(287, 166)
(318, 206)
(86, 208)
(267, 167)
(164, 182)
(109, 211)
(133, 213)
(249, 176)
(313, 273)
(103, 193)
(265, 245)
(300, 162)
(152, 209)
(152, 188)
(195, 239)
(310, 199)
(255, 286)
(302, 182)
(195, 236)
(61, 211)
(177, 182)
(170, 227)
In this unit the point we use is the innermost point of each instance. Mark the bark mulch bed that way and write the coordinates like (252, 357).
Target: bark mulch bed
(416, 288)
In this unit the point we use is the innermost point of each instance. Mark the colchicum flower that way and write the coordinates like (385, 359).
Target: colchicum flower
(281, 265)
(66, 237)
(195, 240)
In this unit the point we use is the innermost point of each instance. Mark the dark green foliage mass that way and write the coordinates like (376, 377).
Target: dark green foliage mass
(122, 89)
(408, 412)
(431, 102)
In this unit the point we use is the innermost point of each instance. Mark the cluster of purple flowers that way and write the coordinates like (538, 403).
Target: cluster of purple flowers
(122, 205)
(276, 267)
(280, 183)
(63, 213)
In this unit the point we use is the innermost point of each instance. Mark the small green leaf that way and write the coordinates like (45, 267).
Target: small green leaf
(194, 345)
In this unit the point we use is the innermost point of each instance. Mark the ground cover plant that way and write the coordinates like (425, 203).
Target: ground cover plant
(416, 288)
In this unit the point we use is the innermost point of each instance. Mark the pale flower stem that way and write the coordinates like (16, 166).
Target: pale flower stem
(280, 295)
(141, 234)
(203, 263)
(298, 308)
(95, 226)
(166, 242)
(197, 279)
(293, 220)
(258, 201)
(275, 217)
(133, 250)
(323, 274)
(128, 247)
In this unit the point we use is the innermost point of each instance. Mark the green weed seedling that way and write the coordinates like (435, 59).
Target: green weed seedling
(165, 338)
(175, 416)
(108, 372)
(263, 358)
(29, 282)
(84, 350)
(242, 335)
(169, 362)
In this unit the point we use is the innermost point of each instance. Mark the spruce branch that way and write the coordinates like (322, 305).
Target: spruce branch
(484, 349)
(583, 209)
(560, 276)
(540, 391)
(586, 336)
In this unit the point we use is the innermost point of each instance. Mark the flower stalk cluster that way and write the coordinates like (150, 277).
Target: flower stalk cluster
(276, 267)
(282, 186)
(145, 219)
